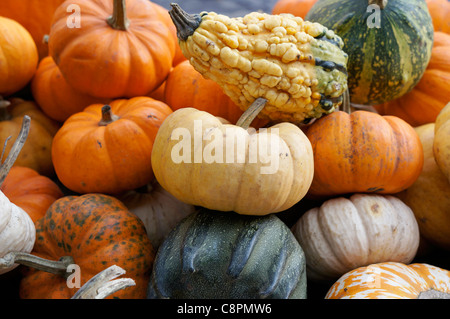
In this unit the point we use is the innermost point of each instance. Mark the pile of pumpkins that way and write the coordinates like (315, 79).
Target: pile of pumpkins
(92, 94)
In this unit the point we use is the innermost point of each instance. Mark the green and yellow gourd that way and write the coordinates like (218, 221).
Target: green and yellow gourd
(297, 66)
(388, 42)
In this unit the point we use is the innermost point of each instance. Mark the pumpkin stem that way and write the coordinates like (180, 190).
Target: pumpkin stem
(119, 20)
(346, 106)
(185, 23)
(107, 116)
(102, 285)
(251, 113)
(5, 167)
(55, 267)
(381, 3)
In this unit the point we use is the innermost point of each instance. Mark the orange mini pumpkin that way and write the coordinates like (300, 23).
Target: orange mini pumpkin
(96, 231)
(29, 190)
(298, 8)
(120, 50)
(19, 56)
(55, 97)
(363, 152)
(186, 87)
(440, 13)
(33, 15)
(107, 148)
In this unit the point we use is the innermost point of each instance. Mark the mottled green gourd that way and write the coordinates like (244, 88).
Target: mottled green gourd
(297, 66)
(224, 255)
(388, 42)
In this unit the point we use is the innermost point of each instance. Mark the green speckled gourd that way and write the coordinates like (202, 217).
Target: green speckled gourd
(224, 255)
(299, 67)
(388, 42)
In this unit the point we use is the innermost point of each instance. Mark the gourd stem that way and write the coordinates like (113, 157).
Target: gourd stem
(4, 114)
(5, 167)
(433, 294)
(251, 113)
(119, 20)
(185, 23)
(55, 267)
(102, 285)
(381, 3)
(346, 106)
(107, 116)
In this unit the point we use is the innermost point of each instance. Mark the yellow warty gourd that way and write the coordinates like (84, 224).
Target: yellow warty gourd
(299, 67)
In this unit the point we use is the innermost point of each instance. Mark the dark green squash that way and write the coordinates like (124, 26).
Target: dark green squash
(386, 62)
(224, 255)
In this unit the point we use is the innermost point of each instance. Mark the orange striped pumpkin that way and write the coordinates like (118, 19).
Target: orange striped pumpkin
(391, 280)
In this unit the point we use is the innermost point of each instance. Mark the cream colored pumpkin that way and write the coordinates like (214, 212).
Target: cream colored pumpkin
(345, 233)
(441, 144)
(429, 196)
(264, 172)
(158, 210)
(17, 231)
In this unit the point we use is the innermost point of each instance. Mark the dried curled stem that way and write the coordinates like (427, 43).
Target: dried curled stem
(102, 285)
(5, 167)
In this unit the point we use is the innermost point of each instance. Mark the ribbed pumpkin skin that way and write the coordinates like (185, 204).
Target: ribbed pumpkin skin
(29, 190)
(390, 280)
(363, 152)
(98, 231)
(384, 63)
(218, 255)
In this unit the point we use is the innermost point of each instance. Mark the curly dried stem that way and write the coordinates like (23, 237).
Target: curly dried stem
(251, 113)
(119, 20)
(185, 23)
(102, 285)
(58, 267)
(5, 167)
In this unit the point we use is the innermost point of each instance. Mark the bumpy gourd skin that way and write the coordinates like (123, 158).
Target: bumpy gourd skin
(298, 66)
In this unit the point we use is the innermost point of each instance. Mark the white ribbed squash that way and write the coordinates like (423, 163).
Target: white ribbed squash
(345, 233)
(17, 231)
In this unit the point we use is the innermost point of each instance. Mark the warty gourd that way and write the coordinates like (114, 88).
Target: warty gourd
(299, 67)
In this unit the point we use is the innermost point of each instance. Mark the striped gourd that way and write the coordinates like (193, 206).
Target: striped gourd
(388, 42)
(298, 67)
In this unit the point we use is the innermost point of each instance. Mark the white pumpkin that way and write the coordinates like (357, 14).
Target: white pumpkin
(17, 231)
(158, 209)
(345, 233)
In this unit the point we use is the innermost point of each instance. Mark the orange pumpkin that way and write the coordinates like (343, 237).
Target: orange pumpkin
(97, 231)
(55, 97)
(133, 57)
(186, 87)
(440, 13)
(33, 15)
(107, 148)
(424, 102)
(19, 56)
(392, 280)
(29, 190)
(36, 152)
(363, 152)
(298, 8)
(165, 18)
